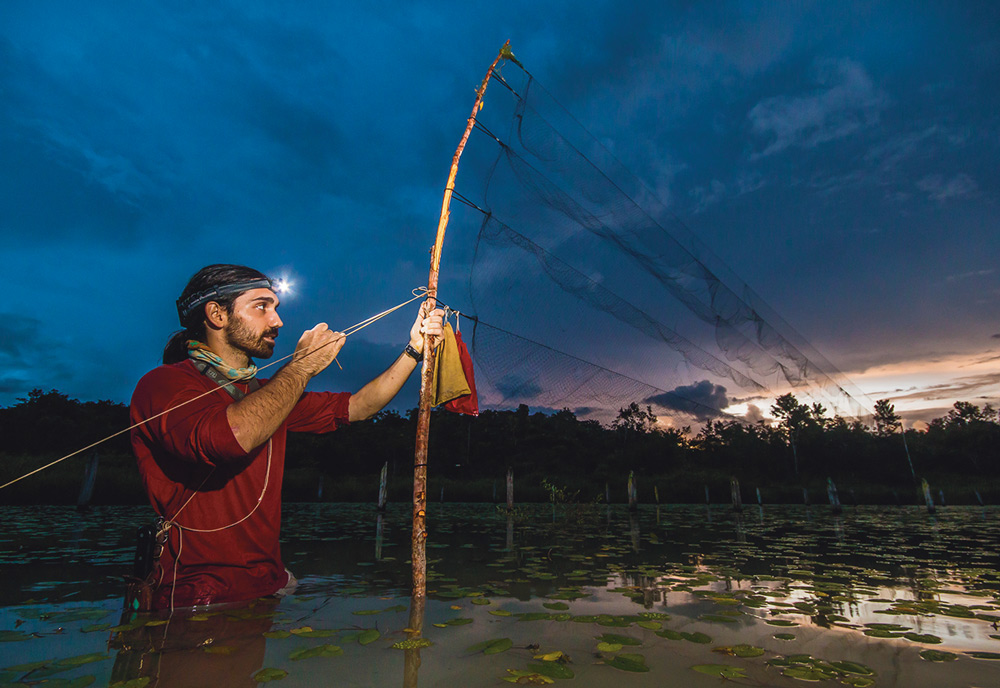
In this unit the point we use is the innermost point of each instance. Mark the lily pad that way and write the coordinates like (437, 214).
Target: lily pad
(784, 636)
(492, 647)
(619, 639)
(923, 638)
(318, 651)
(269, 674)
(670, 634)
(552, 669)
(806, 673)
(853, 668)
(13, 636)
(459, 621)
(315, 633)
(720, 670)
(740, 650)
(556, 606)
(938, 656)
(628, 662)
(527, 678)
(984, 655)
(80, 660)
(534, 616)
(368, 636)
(608, 647)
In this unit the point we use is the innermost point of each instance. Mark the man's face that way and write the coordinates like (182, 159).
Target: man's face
(254, 323)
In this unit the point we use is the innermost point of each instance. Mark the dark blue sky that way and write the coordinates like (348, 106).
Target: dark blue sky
(839, 157)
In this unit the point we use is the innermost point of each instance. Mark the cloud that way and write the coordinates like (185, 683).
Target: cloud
(516, 388)
(846, 101)
(959, 388)
(703, 400)
(967, 275)
(940, 189)
(753, 414)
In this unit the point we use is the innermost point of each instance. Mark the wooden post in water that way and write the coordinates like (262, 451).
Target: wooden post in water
(633, 496)
(805, 496)
(383, 487)
(319, 490)
(831, 492)
(734, 489)
(419, 536)
(927, 496)
(89, 480)
(510, 490)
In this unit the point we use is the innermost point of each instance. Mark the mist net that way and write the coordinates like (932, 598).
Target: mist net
(586, 293)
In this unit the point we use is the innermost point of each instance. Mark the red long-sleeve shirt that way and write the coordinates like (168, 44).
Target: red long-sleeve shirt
(192, 450)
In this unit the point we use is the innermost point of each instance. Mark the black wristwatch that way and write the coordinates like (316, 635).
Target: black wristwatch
(413, 353)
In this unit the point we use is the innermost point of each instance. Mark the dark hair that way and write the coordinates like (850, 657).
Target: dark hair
(193, 322)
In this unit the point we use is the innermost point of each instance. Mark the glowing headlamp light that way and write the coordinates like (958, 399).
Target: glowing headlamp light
(185, 307)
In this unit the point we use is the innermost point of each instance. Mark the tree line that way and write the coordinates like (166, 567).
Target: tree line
(554, 454)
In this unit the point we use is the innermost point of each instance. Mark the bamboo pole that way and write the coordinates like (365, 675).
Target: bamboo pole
(417, 541)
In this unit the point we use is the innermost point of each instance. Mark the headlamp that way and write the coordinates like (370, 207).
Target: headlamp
(185, 307)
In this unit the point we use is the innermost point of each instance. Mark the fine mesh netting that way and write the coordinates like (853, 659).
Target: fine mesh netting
(591, 295)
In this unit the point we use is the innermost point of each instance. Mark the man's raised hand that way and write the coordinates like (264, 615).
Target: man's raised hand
(317, 348)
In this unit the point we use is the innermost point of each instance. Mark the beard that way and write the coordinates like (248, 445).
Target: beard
(240, 335)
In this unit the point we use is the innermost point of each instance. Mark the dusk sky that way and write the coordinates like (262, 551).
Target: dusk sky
(840, 157)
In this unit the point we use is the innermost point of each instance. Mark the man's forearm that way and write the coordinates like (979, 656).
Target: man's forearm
(259, 414)
(373, 397)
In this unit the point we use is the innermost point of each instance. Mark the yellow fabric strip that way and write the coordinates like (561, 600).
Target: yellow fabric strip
(449, 378)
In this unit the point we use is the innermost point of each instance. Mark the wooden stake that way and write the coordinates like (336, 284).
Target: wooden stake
(417, 541)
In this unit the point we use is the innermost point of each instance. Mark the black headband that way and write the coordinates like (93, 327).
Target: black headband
(185, 307)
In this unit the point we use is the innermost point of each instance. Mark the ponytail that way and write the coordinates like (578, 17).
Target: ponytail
(176, 349)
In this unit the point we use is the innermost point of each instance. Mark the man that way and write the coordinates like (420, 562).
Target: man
(212, 463)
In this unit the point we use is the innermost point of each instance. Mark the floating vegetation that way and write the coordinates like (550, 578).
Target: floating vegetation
(412, 644)
(318, 651)
(269, 674)
(721, 670)
(492, 647)
(740, 650)
(626, 661)
(888, 575)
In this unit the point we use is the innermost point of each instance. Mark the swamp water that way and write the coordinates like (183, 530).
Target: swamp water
(580, 596)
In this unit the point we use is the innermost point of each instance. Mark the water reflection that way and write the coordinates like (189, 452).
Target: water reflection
(414, 631)
(379, 535)
(218, 649)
